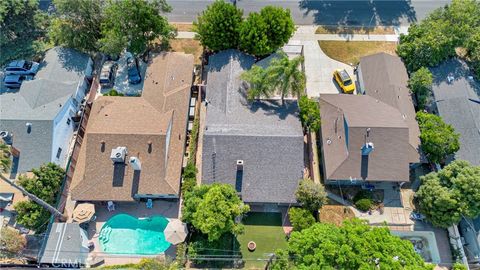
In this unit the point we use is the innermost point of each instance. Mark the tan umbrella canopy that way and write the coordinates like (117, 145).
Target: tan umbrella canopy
(176, 231)
(83, 212)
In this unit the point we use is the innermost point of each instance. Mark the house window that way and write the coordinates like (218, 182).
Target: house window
(69, 121)
(59, 152)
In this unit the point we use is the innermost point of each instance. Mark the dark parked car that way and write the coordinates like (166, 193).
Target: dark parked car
(14, 81)
(108, 73)
(134, 76)
(22, 67)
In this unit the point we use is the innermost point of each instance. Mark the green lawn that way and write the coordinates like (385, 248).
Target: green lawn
(265, 229)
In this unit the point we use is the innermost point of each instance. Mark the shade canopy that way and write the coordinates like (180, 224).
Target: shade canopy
(83, 212)
(176, 231)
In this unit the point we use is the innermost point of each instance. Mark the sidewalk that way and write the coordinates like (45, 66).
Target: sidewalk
(185, 35)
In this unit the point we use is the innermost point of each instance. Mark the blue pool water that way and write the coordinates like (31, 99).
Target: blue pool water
(125, 234)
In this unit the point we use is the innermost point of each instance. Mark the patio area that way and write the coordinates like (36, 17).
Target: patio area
(168, 209)
(265, 229)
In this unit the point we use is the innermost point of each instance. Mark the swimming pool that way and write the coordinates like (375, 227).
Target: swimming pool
(125, 234)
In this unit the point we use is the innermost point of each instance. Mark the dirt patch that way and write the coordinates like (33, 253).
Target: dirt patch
(360, 30)
(335, 214)
(349, 52)
(189, 46)
(188, 27)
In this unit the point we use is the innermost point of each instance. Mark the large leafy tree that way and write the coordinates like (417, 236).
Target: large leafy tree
(133, 25)
(446, 196)
(265, 32)
(22, 29)
(421, 83)
(435, 38)
(438, 139)
(309, 113)
(213, 210)
(218, 26)
(77, 24)
(354, 245)
(310, 195)
(45, 184)
(473, 50)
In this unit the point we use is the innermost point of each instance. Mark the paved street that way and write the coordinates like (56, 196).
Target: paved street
(333, 12)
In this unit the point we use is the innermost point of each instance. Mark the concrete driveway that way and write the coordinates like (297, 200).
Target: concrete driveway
(318, 66)
(121, 79)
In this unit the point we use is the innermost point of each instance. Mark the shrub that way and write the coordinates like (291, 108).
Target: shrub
(459, 266)
(363, 194)
(12, 241)
(300, 218)
(113, 93)
(364, 204)
(310, 195)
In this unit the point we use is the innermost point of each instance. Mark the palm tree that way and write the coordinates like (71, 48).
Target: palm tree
(5, 163)
(258, 81)
(286, 77)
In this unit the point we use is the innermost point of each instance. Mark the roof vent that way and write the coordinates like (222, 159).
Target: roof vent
(329, 141)
(135, 163)
(29, 127)
(118, 154)
(240, 165)
(6, 136)
(367, 149)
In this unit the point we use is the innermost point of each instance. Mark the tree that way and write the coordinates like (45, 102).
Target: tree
(354, 245)
(133, 25)
(282, 76)
(77, 24)
(438, 140)
(42, 189)
(421, 83)
(473, 50)
(23, 27)
(309, 113)
(446, 196)
(286, 76)
(218, 26)
(212, 209)
(300, 218)
(12, 241)
(265, 32)
(260, 85)
(189, 178)
(310, 195)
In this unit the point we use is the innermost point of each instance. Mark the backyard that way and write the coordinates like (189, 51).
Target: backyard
(265, 229)
(350, 52)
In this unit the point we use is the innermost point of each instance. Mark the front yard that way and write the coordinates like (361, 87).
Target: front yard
(265, 229)
(350, 52)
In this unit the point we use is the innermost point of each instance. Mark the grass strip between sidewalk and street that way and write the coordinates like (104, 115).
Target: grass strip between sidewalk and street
(360, 30)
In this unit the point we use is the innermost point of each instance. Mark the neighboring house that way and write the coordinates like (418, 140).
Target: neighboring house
(364, 140)
(384, 77)
(66, 246)
(470, 231)
(457, 101)
(36, 120)
(134, 146)
(256, 147)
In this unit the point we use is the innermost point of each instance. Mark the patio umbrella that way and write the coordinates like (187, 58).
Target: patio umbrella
(83, 212)
(176, 231)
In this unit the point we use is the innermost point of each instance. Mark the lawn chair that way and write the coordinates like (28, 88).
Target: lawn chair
(110, 206)
(149, 204)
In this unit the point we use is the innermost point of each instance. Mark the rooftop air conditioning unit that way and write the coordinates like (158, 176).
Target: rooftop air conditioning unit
(118, 154)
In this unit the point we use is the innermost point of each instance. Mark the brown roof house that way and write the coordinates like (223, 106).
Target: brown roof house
(134, 146)
(371, 137)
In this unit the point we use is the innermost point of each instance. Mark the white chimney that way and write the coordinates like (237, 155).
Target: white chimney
(240, 165)
(135, 163)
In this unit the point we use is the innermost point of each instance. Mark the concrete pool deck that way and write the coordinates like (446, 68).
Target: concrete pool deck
(168, 209)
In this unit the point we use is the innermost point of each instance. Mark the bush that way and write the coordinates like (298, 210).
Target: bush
(310, 195)
(459, 266)
(420, 84)
(300, 218)
(364, 204)
(363, 194)
(113, 93)
(12, 241)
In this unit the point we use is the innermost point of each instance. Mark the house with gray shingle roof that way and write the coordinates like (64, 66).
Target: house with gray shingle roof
(256, 147)
(457, 101)
(36, 119)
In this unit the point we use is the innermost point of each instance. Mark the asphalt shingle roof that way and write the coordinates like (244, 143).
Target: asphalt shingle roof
(267, 136)
(38, 102)
(458, 104)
